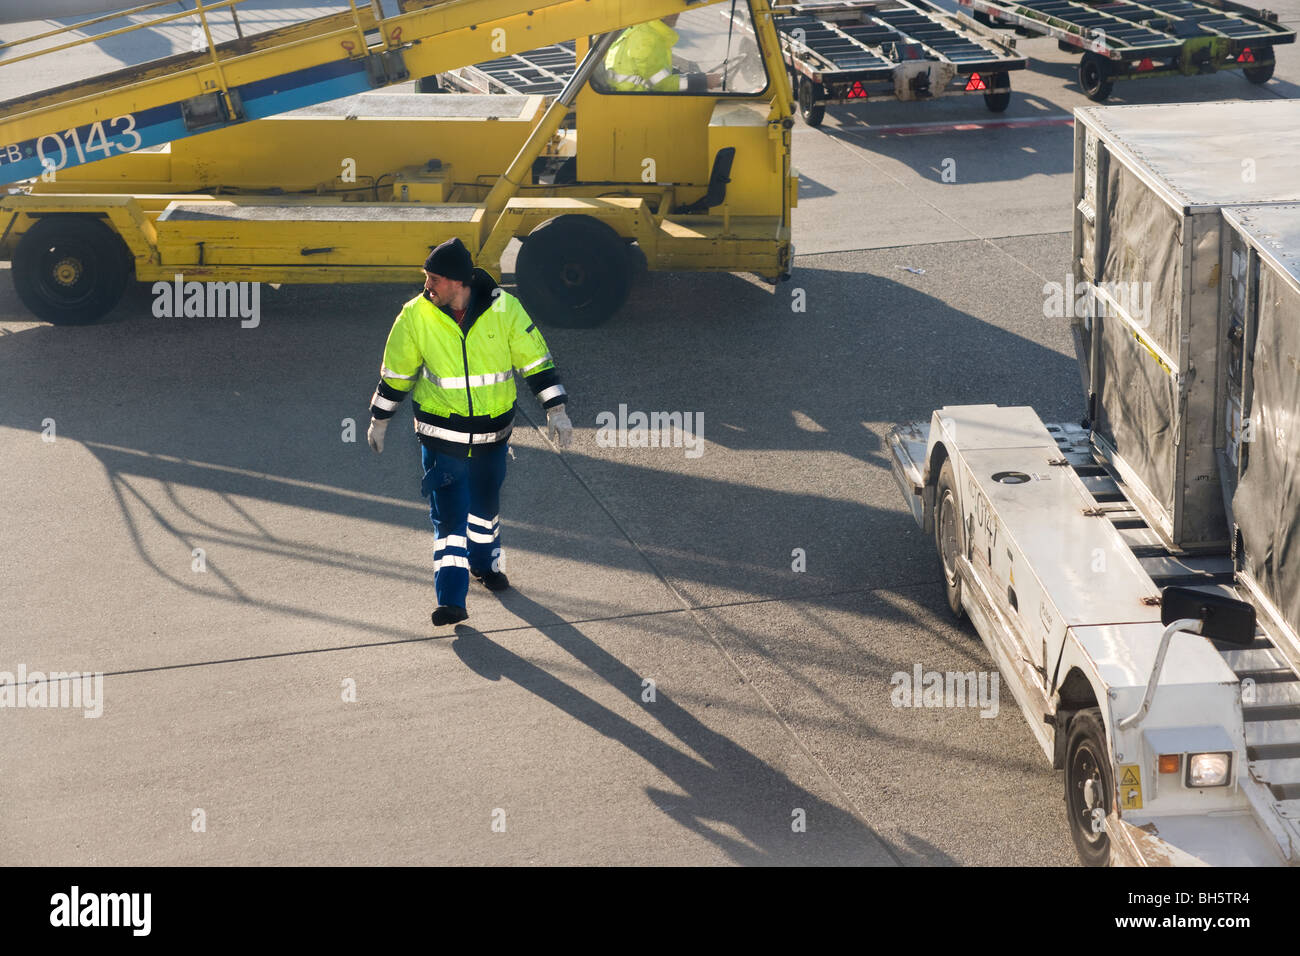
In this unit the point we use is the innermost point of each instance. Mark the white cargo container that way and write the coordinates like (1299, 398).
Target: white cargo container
(1260, 406)
(1149, 185)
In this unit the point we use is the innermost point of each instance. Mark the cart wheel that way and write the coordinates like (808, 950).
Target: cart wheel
(812, 112)
(1094, 76)
(573, 272)
(1261, 74)
(998, 98)
(1089, 785)
(1068, 47)
(979, 16)
(428, 84)
(949, 536)
(70, 270)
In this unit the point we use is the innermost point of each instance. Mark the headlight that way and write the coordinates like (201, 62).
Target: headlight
(1208, 770)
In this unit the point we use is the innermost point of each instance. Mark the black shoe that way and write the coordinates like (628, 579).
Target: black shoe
(493, 580)
(448, 614)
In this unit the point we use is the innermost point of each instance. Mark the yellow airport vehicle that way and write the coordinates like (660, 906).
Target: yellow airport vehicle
(265, 159)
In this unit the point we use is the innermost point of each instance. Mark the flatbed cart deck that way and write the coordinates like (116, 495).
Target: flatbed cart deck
(542, 71)
(1126, 40)
(849, 52)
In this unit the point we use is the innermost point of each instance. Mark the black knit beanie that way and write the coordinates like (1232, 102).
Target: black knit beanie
(451, 260)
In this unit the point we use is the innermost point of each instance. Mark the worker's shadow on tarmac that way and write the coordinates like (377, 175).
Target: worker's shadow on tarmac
(723, 785)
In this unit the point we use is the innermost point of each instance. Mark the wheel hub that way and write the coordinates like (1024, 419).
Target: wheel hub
(573, 275)
(67, 271)
(1091, 797)
(948, 539)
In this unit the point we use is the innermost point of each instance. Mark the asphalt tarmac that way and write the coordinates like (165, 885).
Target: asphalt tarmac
(668, 682)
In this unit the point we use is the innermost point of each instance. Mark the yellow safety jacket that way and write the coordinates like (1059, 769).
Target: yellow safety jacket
(641, 59)
(462, 382)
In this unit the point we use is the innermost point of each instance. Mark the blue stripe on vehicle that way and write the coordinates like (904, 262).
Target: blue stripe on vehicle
(154, 126)
(282, 100)
(165, 124)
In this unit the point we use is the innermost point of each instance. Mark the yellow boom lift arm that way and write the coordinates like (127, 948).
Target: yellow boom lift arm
(264, 201)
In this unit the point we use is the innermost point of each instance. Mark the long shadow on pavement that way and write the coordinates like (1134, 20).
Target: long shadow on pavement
(724, 785)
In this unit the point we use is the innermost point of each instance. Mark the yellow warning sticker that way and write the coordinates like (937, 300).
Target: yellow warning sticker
(1130, 787)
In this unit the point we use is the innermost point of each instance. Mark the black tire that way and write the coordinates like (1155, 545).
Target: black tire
(998, 98)
(428, 84)
(949, 535)
(70, 270)
(1094, 77)
(979, 16)
(1260, 74)
(1089, 786)
(812, 112)
(573, 272)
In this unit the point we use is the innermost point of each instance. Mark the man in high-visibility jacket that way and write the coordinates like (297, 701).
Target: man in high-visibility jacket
(641, 60)
(455, 348)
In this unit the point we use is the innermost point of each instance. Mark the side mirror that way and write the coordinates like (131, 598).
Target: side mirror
(1222, 618)
(1189, 611)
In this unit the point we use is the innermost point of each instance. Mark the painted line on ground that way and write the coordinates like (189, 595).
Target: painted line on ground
(945, 126)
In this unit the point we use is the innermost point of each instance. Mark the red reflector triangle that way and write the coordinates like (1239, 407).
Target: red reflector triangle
(976, 82)
(1146, 64)
(1245, 56)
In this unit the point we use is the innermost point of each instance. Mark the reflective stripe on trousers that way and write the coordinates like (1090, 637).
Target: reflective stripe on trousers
(483, 530)
(461, 493)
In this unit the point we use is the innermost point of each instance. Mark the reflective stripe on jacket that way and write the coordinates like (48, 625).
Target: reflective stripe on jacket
(462, 382)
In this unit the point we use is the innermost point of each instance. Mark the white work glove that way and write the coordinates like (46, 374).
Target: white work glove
(559, 427)
(375, 435)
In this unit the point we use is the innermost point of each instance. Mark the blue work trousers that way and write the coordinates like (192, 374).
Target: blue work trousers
(464, 498)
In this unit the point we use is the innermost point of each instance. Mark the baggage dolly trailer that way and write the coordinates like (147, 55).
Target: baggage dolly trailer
(849, 52)
(1176, 750)
(1127, 40)
(1084, 554)
(543, 71)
